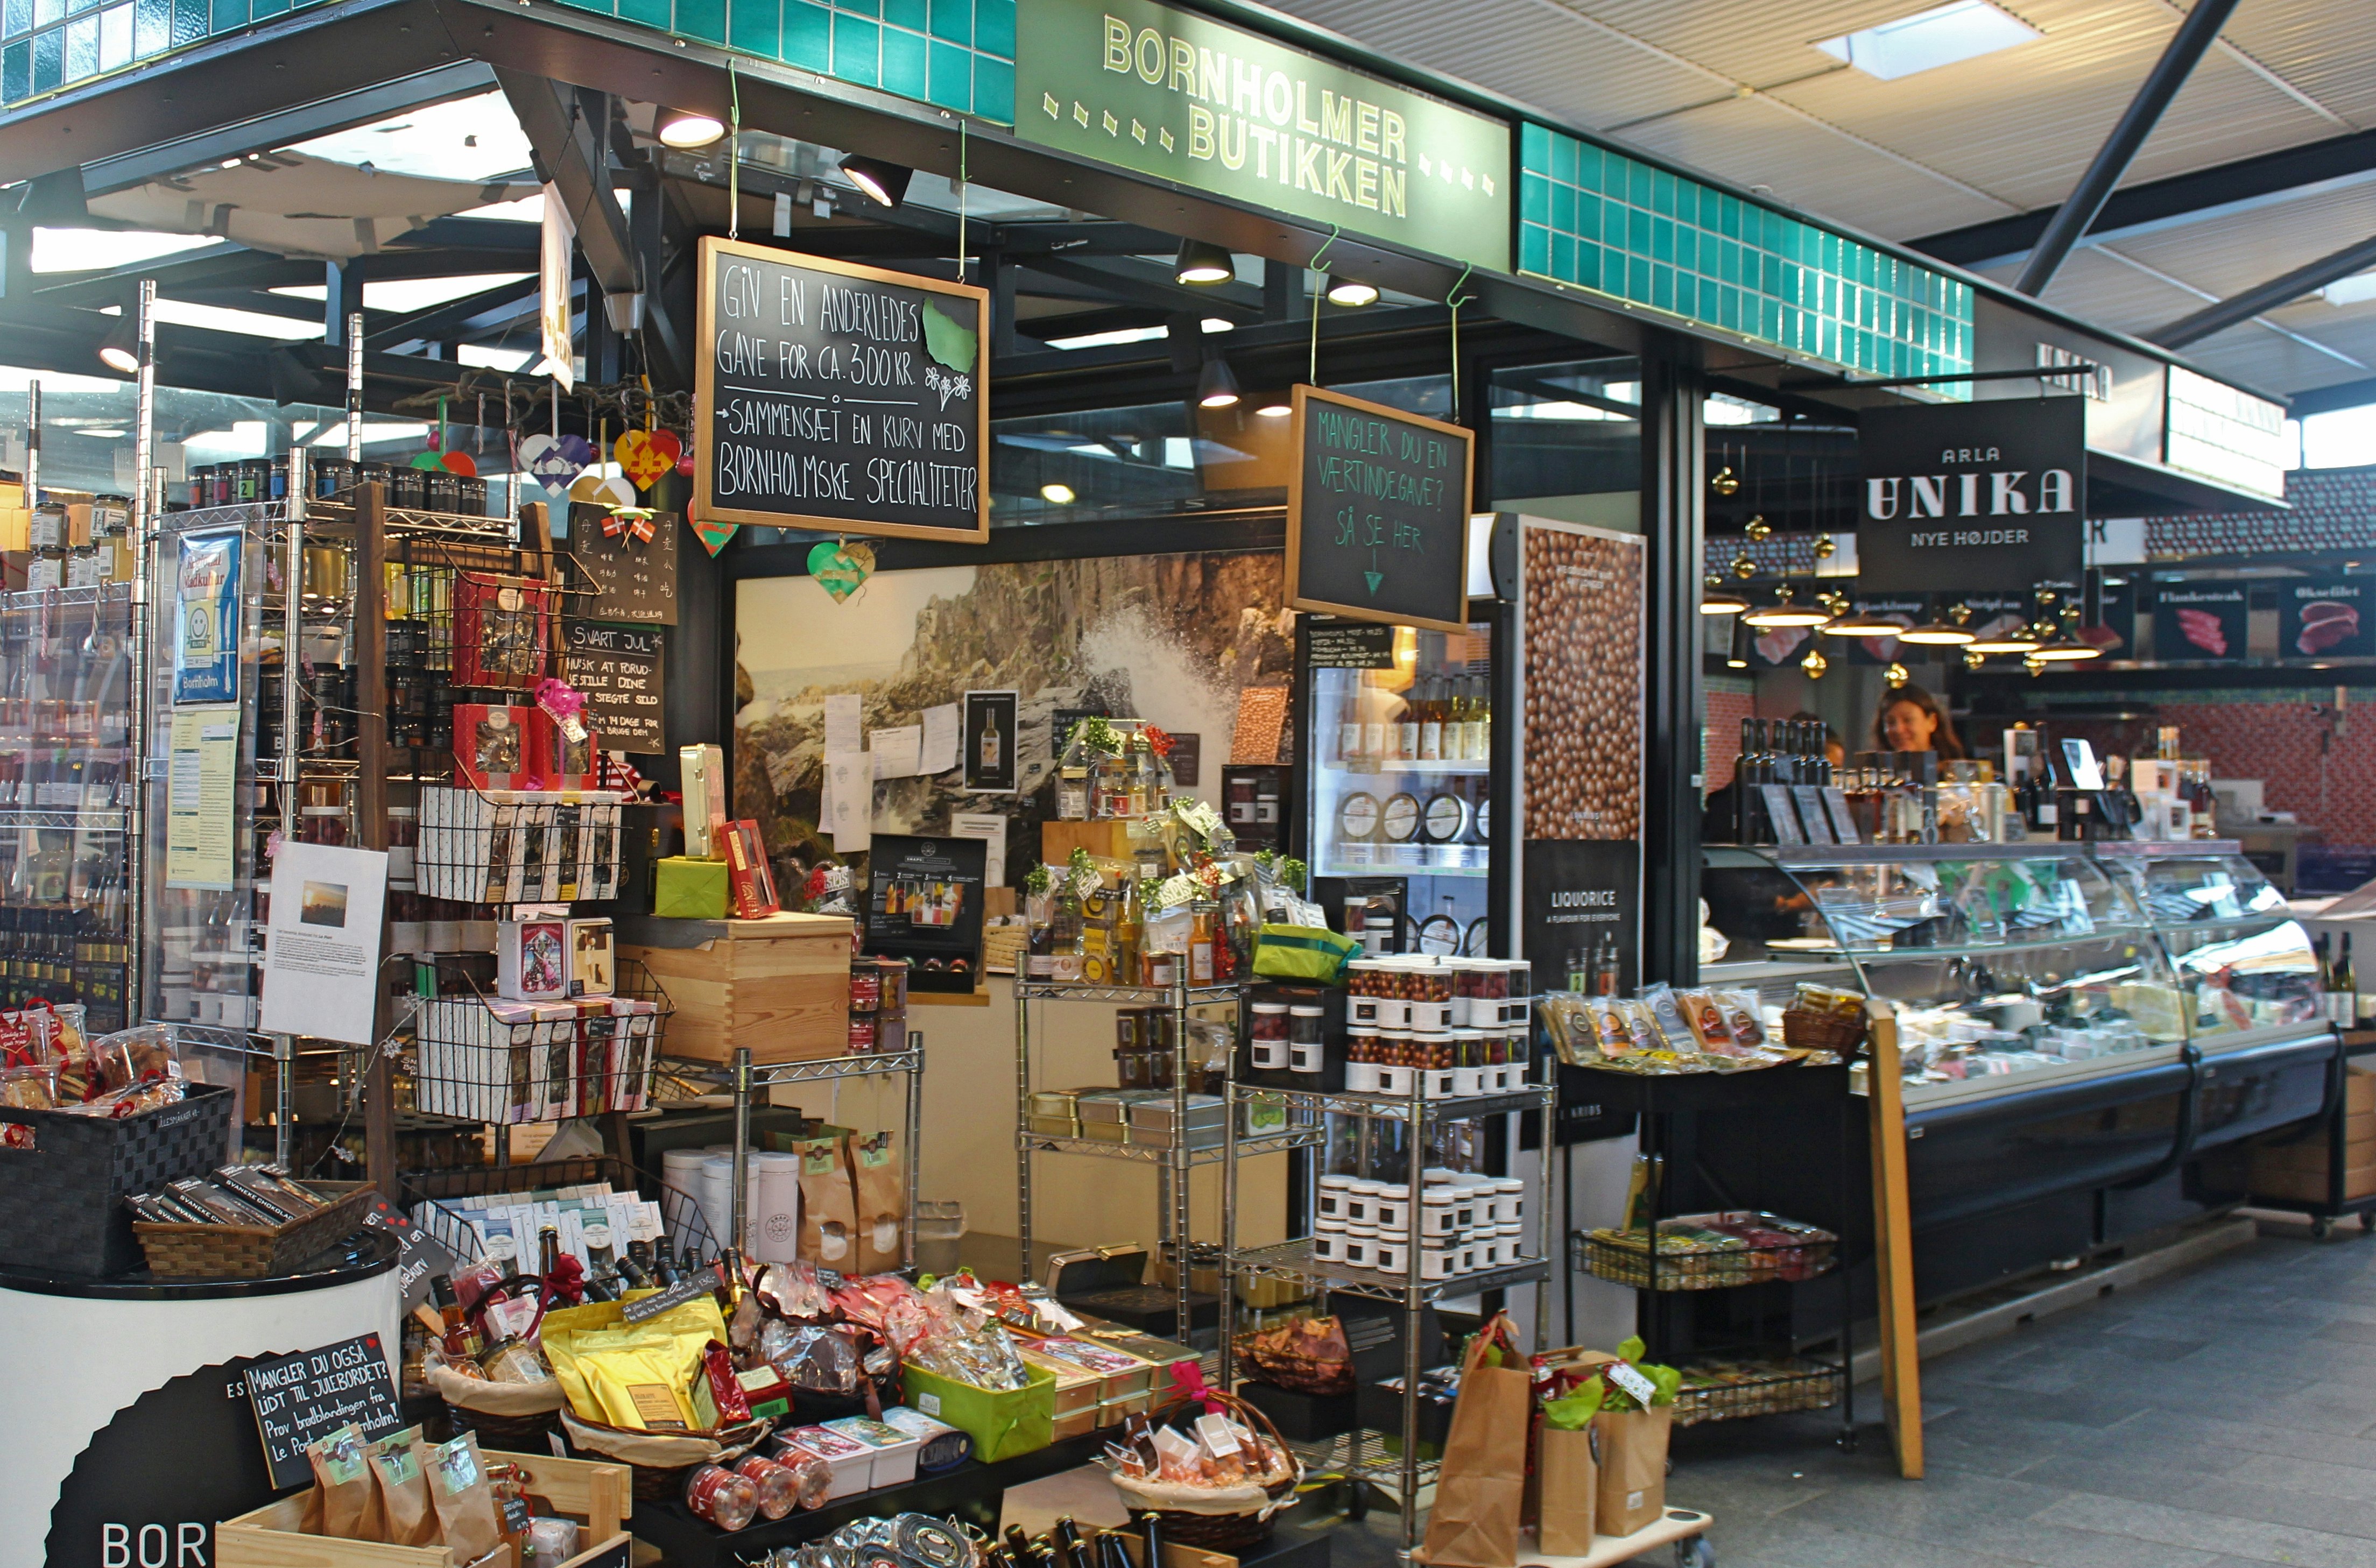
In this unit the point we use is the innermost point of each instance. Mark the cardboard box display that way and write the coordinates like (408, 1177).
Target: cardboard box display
(532, 960)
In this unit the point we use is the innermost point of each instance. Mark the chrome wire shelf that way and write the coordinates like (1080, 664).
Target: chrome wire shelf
(827, 1068)
(1292, 1260)
(1360, 1455)
(1163, 1154)
(1146, 995)
(1398, 1106)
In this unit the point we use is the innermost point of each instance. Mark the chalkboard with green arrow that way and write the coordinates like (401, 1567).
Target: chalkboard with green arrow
(1377, 517)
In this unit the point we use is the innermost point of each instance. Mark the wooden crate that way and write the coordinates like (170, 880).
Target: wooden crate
(779, 985)
(598, 1496)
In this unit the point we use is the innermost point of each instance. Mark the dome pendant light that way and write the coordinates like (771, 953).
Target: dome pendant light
(1783, 612)
(1949, 632)
(685, 129)
(1217, 387)
(1717, 600)
(1203, 262)
(884, 183)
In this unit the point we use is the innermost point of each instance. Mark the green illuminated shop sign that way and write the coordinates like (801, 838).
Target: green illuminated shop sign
(1169, 93)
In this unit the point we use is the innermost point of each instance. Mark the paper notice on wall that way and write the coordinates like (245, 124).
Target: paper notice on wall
(940, 746)
(849, 784)
(898, 753)
(321, 964)
(841, 717)
(990, 829)
(201, 799)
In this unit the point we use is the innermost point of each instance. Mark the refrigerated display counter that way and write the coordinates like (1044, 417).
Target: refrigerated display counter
(2077, 1023)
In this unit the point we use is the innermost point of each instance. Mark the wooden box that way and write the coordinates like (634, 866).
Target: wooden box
(779, 985)
(598, 1496)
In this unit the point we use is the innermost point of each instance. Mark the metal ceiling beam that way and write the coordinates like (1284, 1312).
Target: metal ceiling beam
(2077, 213)
(1119, 280)
(2281, 289)
(2326, 400)
(2245, 185)
(568, 132)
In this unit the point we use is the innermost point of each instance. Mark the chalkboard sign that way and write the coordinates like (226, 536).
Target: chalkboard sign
(1377, 514)
(618, 669)
(1350, 644)
(632, 579)
(301, 1399)
(419, 1258)
(840, 397)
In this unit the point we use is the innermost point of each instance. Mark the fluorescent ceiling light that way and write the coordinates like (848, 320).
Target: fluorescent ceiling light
(1926, 40)
(403, 294)
(1103, 340)
(509, 361)
(470, 138)
(90, 250)
(2357, 288)
(1557, 410)
(222, 318)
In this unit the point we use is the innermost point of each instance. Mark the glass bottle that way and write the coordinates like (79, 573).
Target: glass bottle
(1203, 933)
(1407, 727)
(1431, 721)
(1349, 725)
(1375, 744)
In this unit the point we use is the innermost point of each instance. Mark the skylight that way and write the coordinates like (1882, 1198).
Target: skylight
(469, 139)
(222, 318)
(90, 250)
(2357, 288)
(402, 294)
(1926, 40)
(1133, 335)
(489, 358)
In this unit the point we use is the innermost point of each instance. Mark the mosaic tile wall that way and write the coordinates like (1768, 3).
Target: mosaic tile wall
(1597, 219)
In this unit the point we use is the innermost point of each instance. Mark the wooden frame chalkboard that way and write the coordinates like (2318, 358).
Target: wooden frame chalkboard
(1429, 586)
(844, 402)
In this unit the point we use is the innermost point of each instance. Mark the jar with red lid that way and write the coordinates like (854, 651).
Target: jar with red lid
(1267, 1035)
(779, 1489)
(865, 986)
(718, 1495)
(861, 1034)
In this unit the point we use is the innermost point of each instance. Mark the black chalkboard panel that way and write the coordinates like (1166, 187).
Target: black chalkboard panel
(839, 397)
(632, 579)
(1377, 514)
(301, 1399)
(620, 669)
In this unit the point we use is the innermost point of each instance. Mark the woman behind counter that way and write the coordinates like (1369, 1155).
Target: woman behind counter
(1910, 720)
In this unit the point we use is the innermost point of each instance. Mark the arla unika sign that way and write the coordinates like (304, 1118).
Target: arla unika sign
(1986, 495)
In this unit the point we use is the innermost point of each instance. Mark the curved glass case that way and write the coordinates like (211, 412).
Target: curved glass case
(2022, 964)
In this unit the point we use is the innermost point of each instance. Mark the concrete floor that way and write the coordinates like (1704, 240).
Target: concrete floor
(2218, 1418)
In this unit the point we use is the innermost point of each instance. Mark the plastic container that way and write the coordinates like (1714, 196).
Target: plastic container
(1329, 1243)
(1360, 1242)
(1435, 1213)
(1306, 1034)
(1390, 1207)
(1395, 1078)
(1360, 1200)
(1331, 1198)
(1513, 1244)
(1509, 1201)
(1437, 1263)
(721, 1497)
(940, 1226)
(778, 1486)
(1268, 1036)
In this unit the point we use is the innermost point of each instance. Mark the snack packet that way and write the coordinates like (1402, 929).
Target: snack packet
(1743, 1017)
(1705, 1020)
(465, 1499)
(410, 1518)
(350, 1505)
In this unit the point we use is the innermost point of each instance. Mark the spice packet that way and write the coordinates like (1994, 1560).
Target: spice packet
(351, 1506)
(1660, 998)
(1705, 1020)
(465, 1499)
(1609, 1033)
(411, 1517)
(1743, 1015)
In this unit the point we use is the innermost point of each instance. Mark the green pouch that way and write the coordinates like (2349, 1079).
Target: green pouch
(1002, 1422)
(688, 889)
(1302, 951)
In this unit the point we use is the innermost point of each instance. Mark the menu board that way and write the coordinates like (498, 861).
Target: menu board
(2325, 617)
(632, 579)
(2200, 622)
(1350, 644)
(1377, 513)
(301, 1399)
(840, 397)
(618, 669)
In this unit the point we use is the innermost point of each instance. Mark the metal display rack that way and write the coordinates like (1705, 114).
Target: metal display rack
(1360, 1455)
(1172, 1162)
(909, 1063)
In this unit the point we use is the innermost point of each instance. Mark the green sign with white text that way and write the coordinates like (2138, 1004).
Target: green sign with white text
(1177, 95)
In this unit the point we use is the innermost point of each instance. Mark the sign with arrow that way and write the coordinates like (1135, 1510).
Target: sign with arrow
(1377, 513)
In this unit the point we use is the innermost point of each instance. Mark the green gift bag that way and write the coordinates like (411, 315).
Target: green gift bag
(1002, 1422)
(1302, 951)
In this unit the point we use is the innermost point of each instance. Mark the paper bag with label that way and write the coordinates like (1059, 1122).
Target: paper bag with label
(1633, 1490)
(880, 1189)
(1482, 1486)
(829, 1206)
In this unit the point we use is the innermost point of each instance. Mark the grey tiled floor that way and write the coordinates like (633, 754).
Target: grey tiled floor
(2217, 1419)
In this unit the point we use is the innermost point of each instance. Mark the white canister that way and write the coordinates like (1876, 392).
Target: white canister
(1390, 1253)
(1390, 1208)
(1513, 1244)
(773, 1220)
(1364, 1010)
(1435, 1213)
(1360, 1077)
(1331, 1200)
(1486, 1250)
(1441, 1082)
(1513, 1076)
(1360, 1200)
(1361, 1241)
(1266, 1051)
(1464, 1210)
(1328, 1244)
(1438, 1263)
(718, 1203)
(1467, 1256)
(1306, 1050)
(1434, 1015)
(1395, 1079)
(1509, 1201)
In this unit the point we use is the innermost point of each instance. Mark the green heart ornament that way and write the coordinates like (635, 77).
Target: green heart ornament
(841, 568)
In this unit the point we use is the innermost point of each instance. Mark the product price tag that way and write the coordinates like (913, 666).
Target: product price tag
(303, 1399)
(515, 1515)
(1632, 1382)
(643, 1309)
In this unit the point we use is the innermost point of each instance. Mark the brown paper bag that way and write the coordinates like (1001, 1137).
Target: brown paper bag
(828, 1207)
(880, 1189)
(1633, 1490)
(1481, 1488)
(1564, 1484)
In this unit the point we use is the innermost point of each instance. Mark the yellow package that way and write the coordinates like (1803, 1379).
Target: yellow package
(640, 1376)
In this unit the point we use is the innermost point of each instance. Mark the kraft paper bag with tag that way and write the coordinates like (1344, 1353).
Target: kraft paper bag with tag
(829, 1203)
(1565, 1482)
(1633, 1468)
(879, 1190)
(1481, 1489)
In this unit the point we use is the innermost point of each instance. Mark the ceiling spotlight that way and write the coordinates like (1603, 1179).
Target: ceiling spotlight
(886, 184)
(1352, 292)
(1862, 623)
(1056, 495)
(1717, 600)
(1275, 410)
(120, 349)
(1202, 261)
(1215, 386)
(1949, 632)
(1782, 612)
(686, 128)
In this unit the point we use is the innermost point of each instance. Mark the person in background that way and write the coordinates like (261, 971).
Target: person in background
(1910, 720)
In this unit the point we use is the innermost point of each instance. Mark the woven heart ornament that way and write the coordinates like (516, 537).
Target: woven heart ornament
(841, 569)
(642, 460)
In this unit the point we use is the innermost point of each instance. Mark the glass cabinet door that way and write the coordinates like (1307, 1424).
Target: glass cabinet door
(2243, 962)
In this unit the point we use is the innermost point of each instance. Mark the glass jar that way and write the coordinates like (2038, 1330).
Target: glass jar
(1306, 1030)
(322, 825)
(1267, 1035)
(721, 1497)
(777, 1488)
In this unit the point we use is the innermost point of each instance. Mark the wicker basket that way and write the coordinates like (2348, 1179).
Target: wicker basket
(1233, 1530)
(1805, 1030)
(254, 1252)
(661, 1461)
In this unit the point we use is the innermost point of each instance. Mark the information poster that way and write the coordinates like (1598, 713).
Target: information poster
(202, 773)
(2201, 623)
(1972, 495)
(986, 742)
(924, 904)
(321, 964)
(206, 615)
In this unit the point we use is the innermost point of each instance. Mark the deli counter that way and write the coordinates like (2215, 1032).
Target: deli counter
(2077, 1023)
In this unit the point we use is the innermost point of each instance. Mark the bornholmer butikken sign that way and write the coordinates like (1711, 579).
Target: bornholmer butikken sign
(839, 397)
(1986, 495)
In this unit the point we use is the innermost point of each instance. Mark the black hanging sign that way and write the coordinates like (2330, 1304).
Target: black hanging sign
(2326, 617)
(840, 397)
(2201, 623)
(1377, 513)
(301, 1399)
(632, 579)
(924, 904)
(1959, 497)
(618, 669)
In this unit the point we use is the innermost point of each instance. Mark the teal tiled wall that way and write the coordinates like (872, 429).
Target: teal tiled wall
(957, 53)
(1597, 219)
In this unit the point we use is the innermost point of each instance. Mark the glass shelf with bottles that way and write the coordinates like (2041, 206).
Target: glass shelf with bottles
(1403, 780)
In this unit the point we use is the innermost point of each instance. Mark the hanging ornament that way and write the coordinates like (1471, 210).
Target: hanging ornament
(685, 464)
(641, 458)
(1743, 567)
(1724, 482)
(1974, 660)
(555, 460)
(1824, 548)
(460, 463)
(712, 533)
(426, 460)
(840, 567)
(595, 489)
(2035, 665)
(1896, 675)
(1758, 529)
(1814, 664)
